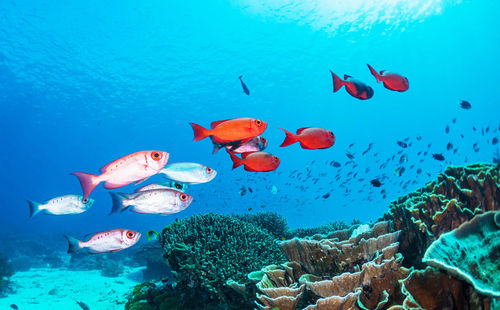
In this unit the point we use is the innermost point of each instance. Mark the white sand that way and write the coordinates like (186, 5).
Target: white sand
(65, 286)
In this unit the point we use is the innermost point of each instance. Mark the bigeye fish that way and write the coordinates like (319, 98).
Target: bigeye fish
(163, 185)
(256, 161)
(62, 205)
(105, 242)
(135, 167)
(254, 145)
(158, 201)
(391, 80)
(230, 130)
(310, 138)
(191, 173)
(355, 88)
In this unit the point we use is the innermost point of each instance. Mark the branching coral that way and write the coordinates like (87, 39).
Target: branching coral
(442, 205)
(270, 221)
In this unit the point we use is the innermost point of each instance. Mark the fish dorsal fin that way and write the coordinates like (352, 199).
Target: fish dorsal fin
(217, 123)
(245, 154)
(103, 168)
(347, 76)
(300, 130)
(383, 71)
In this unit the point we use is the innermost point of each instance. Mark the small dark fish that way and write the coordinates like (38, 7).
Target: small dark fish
(250, 190)
(494, 141)
(82, 305)
(402, 144)
(487, 129)
(349, 155)
(461, 136)
(376, 183)
(14, 306)
(351, 145)
(336, 164)
(449, 146)
(249, 209)
(403, 158)
(465, 105)
(419, 138)
(455, 151)
(475, 145)
(401, 171)
(245, 88)
(407, 139)
(474, 128)
(454, 120)
(326, 195)
(447, 129)
(419, 171)
(439, 157)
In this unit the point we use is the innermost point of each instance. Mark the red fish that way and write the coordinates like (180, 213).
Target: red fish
(355, 88)
(230, 130)
(391, 80)
(310, 138)
(256, 161)
(135, 167)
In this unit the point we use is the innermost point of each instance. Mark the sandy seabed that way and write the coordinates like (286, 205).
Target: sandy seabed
(48, 288)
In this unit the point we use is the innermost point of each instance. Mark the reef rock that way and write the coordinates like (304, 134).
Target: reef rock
(441, 206)
(471, 252)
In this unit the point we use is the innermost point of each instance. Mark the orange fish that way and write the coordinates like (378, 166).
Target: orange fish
(230, 130)
(391, 80)
(135, 167)
(355, 88)
(256, 161)
(310, 138)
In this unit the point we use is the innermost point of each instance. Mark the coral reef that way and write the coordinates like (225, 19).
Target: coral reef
(274, 223)
(320, 230)
(471, 252)
(156, 266)
(441, 206)
(6, 271)
(207, 253)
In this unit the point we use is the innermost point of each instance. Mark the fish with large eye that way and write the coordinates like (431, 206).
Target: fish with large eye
(230, 130)
(256, 161)
(105, 242)
(391, 80)
(354, 87)
(190, 173)
(135, 167)
(310, 138)
(256, 144)
(157, 201)
(62, 205)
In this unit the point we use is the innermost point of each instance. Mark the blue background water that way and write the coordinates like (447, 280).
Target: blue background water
(82, 84)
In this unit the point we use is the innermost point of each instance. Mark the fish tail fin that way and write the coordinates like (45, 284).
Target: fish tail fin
(337, 82)
(88, 182)
(152, 235)
(236, 160)
(34, 207)
(290, 138)
(239, 77)
(74, 245)
(374, 73)
(200, 133)
(118, 202)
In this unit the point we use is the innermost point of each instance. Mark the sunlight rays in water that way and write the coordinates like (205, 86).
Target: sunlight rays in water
(347, 15)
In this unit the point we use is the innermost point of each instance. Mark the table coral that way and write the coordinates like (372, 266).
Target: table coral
(441, 206)
(471, 252)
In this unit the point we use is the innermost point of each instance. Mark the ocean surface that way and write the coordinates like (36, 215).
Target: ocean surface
(85, 83)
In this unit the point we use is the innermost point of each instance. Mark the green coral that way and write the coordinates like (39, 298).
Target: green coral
(206, 252)
(323, 229)
(270, 221)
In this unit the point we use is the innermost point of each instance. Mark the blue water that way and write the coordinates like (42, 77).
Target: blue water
(82, 84)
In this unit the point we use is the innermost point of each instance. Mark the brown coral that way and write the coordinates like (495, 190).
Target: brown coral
(442, 205)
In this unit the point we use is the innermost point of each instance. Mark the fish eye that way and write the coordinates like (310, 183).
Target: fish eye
(156, 155)
(258, 122)
(130, 234)
(262, 139)
(183, 197)
(209, 170)
(276, 158)
(178, 185)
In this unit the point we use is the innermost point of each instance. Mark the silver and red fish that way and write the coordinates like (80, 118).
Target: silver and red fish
(158, 201)
(163, 185)
(62, 205)
(256, 144)
(135, 167)
(354, 87)
(190, 173)
(105, 242)
(391, 80)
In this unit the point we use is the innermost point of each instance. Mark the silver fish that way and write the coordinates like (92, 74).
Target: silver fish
(163, 185)
(158, 201)
(257, 144)
(191, 173)
(62, 205)
(105, 242)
